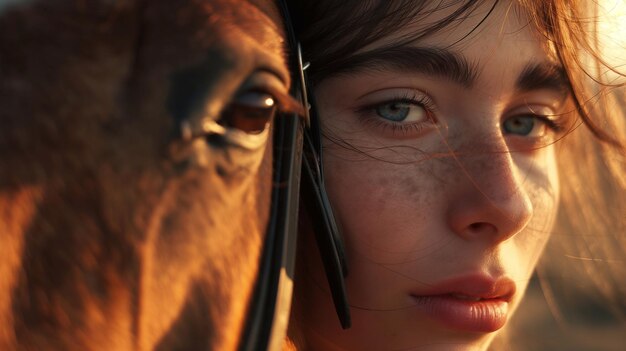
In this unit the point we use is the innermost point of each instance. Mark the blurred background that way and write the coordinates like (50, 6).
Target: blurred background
(584, 323)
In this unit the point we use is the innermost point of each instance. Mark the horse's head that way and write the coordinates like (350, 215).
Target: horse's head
(135, 169)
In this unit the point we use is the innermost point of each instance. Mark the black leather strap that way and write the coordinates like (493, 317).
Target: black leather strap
(269, 309)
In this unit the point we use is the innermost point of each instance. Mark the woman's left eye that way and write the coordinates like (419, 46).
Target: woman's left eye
(534, 126)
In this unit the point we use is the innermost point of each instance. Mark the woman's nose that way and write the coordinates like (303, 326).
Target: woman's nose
(489, 202)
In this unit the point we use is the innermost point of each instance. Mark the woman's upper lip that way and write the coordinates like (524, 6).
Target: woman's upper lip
(474, 286)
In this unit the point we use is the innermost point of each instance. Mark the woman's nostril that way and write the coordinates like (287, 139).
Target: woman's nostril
(476, 226)
(482, 228)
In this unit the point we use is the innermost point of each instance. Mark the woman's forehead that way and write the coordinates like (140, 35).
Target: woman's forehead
(455, 24)
(507, 26)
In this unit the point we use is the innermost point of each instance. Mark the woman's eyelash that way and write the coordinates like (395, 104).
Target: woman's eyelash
(558, 123)
(370, 117)
(396, 129)
(407, 98)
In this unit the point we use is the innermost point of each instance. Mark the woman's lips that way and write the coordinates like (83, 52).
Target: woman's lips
(469, 303)
(475, 316)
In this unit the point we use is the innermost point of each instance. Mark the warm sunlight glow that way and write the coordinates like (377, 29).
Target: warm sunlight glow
(612, 28)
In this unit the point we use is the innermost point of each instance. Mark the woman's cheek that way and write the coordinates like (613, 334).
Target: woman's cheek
(381, 207)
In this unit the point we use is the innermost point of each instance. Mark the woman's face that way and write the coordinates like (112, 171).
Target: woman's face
(440, 164)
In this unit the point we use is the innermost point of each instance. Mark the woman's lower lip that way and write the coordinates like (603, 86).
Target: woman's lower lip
(487, 315)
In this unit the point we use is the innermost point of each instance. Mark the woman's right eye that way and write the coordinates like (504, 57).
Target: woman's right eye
(402, 111)
(398, 112)
(249, 112)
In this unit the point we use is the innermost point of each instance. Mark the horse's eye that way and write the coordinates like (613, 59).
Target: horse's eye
(249, 112)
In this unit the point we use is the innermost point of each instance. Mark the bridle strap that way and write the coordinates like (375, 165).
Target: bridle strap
(268, 315)
(314, 197)
(315, 201)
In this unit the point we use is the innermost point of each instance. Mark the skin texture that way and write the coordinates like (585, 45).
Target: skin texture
(454, 193)
(116, 232)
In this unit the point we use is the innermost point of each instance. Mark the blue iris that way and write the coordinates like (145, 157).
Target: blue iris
(395, 111)
(521, 125)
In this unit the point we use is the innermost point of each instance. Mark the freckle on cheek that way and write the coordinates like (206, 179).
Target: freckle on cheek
(403, 189)
(382, 183)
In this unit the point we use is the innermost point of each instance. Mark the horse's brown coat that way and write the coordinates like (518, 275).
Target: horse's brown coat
(111, 236)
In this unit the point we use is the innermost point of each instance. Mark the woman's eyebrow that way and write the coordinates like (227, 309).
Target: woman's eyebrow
(543, 75)
(447, 64)
(430, 61)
